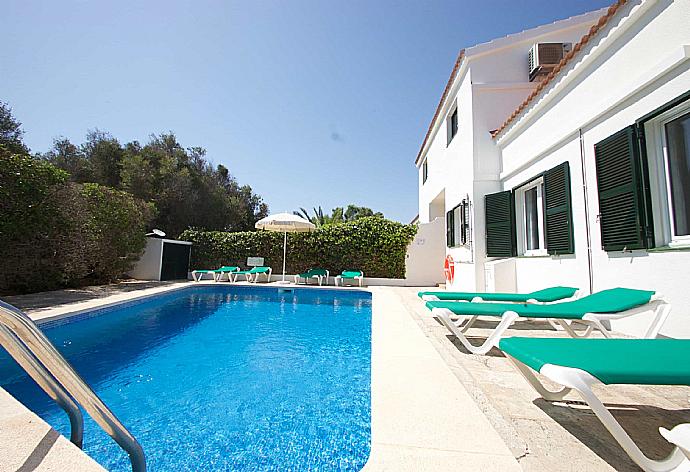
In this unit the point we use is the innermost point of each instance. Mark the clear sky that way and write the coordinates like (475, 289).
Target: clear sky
(310, 102)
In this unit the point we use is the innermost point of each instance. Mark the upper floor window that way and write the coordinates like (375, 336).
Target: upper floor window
(452, 125)
(425, 171)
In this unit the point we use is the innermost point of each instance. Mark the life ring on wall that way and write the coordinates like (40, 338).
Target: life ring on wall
(449, 269)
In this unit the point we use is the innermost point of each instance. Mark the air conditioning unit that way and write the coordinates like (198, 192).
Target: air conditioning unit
(544, 57)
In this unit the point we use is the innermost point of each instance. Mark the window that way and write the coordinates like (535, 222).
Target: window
(678, 169)
(530, 217)
(535, 218)
(458, 232)
(666, 154)
(425, 171)
(452, 125)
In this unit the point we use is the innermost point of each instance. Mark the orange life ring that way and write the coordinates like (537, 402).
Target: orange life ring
(449, 269)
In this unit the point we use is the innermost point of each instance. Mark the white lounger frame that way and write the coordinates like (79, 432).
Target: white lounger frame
(582, 382)
(200, 275)
(319, 278)
(593, 321)
(338, 278)
(254, 278)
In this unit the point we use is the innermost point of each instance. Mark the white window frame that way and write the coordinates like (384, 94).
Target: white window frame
(521, 217)
(659, 178)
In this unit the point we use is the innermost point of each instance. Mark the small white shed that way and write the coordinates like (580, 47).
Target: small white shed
(163, 259)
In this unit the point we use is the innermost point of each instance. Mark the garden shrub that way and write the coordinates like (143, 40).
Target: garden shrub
(54, 233)
(374, 245)
(115, 226)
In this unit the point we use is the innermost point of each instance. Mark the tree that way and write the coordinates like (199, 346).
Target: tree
(319, 219)
(338, 215)
(69, 158)
(11, 131)
(184, 187)
(104, 154)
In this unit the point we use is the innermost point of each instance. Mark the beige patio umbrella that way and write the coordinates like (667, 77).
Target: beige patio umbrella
(285, 223)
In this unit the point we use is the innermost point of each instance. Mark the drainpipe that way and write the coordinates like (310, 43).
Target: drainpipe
(587, 228)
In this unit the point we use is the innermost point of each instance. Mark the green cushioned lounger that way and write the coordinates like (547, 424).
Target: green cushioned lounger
(546, 295)
(578, 364)
(319, 274)
(228, 271)
(350, 274)
(252, 275)
(591, 310)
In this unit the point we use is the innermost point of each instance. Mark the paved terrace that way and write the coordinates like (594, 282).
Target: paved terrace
(434, 406)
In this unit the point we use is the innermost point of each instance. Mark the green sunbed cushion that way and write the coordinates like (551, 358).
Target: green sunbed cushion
(612, 361)
(312, 272)
(227, 269)
(612, 300)
(550, 294)
(350, 274)
(255, 270)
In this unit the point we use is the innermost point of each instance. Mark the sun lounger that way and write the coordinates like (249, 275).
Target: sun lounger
(198, 274)
(591, 310)
(350, 275)
(547, 295)
(318, 274)
(580, 364)
(252, 275)
(229, 271)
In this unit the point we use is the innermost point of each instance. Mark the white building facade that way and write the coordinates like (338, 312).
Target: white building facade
(582, 179)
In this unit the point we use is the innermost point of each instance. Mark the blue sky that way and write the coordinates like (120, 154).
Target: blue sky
(310, 102)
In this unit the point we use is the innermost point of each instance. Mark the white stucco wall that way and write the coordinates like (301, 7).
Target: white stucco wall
(639, 62)
(424, 258)
(492, 82)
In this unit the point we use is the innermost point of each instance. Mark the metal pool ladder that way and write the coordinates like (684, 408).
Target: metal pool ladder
(50, 370)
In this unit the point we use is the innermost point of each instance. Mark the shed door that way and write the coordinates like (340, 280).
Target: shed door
(175, 261)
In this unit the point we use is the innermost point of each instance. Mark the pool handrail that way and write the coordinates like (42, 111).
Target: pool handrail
(31, 348)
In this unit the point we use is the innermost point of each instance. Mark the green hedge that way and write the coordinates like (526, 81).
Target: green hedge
(54, 233)
(374, 245)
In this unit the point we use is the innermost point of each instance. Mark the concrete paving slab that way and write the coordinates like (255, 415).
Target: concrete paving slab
(27, 443)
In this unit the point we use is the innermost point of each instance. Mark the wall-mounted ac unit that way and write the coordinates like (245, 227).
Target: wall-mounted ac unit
(544, 57)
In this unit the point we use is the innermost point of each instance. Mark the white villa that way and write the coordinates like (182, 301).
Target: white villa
(561, 156)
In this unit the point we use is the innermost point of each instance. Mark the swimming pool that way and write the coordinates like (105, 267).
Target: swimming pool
(223, 378)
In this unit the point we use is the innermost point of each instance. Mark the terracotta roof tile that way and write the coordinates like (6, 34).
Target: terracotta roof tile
(603, 20)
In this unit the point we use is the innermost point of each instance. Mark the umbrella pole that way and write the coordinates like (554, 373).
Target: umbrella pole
(284, 252)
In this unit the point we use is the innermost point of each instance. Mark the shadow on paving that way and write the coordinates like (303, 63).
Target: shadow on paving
(641, 422)
(35, 302)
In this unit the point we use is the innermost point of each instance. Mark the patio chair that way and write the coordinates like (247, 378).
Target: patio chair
(226, 270)
(547, 295)
(580, 364)
(252, 275)
(349, 275)
(592, 311)
(318, 274)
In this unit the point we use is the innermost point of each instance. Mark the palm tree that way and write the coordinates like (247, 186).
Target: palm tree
(318, 220)
(338, 215)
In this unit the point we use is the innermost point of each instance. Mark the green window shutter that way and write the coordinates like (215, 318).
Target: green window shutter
(450, 237)
(558, 213)
(500, 224)
(619, 185)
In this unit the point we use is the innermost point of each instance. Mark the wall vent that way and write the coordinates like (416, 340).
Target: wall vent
(544, 57)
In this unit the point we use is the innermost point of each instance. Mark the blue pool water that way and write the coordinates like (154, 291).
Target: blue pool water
(223, 378)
